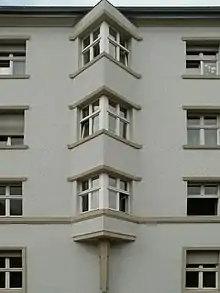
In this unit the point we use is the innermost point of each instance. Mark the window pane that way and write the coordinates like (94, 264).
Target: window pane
(95, 106)
(209, 68)
(193, 121)
(96, 50)
(2, 262)
(15, 279)
(96, 34)
(210, 137)
(18, 67)
(85, 185)
(2, 280)
(112, 123)
(95, 200)
(192, 266)
(209, 279)
(112, 50)
(123, 129)
(123, 185)
(95, 181)
(17, 140)
(86, 42)
(16, 189)
(15, 207)
(123, 57)
(112, 182)
(210, 121)
(123, 202)
(112, 33)
(192, 279)
(2, 207)
(193, 137)
(85, 112)
(85, 128)
(95, 124)
(112, 106)
(85, 203)
(15, 262)
(86, 57)
(112, 199)
(211, 189)
(123, 112)
(194, 189)
(2, 190)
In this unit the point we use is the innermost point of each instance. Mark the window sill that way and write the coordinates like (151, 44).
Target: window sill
(108, 133)
(201, 147)
(192, 76)
(14, 147)
(109, 57)
(25, 76)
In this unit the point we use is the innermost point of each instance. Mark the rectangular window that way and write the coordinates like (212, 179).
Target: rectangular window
(89, 119)
(11, 199)
(11, 270)
(202, 270)
(11, 128)
(202, 58)
(202, 199)
(118, 46)
(118, 119)
(203, 130)
(91, 46)
(12, 57)
(118, 194)
(89, 194)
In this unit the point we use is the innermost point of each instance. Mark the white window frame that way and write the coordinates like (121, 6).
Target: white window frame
(103, 189)
(8, 197)
(118, 190)
(119, 119)
(202, 190)
(203, 59)
(103, 113)
(202, 127)
(89, 118)
(200, 271)
(104, 39)
(88, 192)
(7, 270)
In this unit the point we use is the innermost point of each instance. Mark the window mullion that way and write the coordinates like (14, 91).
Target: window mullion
(200, 280)
(118, 48)
(91, 48)
(202, 131)
(103, 121)
(104, 32)
(11, 63)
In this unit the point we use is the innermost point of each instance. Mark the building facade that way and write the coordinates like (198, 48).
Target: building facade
(109, 148)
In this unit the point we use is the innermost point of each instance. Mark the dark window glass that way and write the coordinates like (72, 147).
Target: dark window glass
(16, 207)
(2, 280)
(2, 207)
(15, 279)
(209, 279)
(192, 279)
(85, 203)
(17, 140)
(192, 64)
(85, 128)
(202, 207)
(4, 63)
(2, 190)
(96, 50)
(123, 202)
(2, 262)
(16, 189)
(15, 262)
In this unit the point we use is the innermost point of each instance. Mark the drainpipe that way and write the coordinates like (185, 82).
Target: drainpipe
(104, 264)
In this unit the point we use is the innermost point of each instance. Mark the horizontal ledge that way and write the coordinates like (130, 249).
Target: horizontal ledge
(14, 76)
(202, 39)
(188, 147)
(104, 169)
(188, 76)
(103, 212)
(102, 91)
(109, 134)
(104, 234)
(35, 220)
(14, 107)
(14, 147)
(109, 57)
(202, 179)
(14, 37)
(201, 108)
(13, 179)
